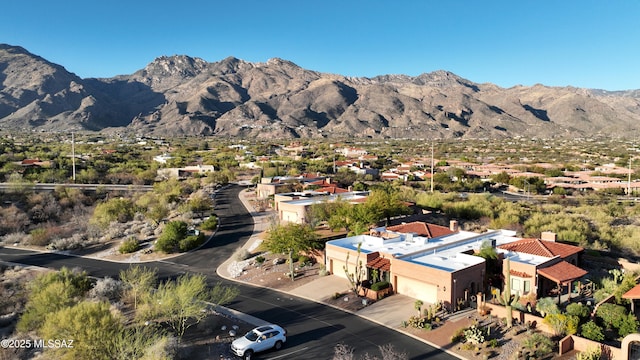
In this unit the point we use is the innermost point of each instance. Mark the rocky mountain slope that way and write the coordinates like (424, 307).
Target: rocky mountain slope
(181, 95)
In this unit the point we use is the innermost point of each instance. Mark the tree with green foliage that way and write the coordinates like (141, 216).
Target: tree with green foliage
(139, 281)
(291, 239)
(183, 303)
(136, 342)
(172, 234)
(50, 292)
(385, 203)
(501, 178)
(612, 315)
(627, 283)
(91, 325)
(562, 324)
(117, 209)
(580, 310)
(211, 223)
(199, 203)
(628, 325)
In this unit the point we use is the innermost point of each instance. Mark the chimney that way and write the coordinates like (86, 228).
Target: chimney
(548, 236)
(453, 225)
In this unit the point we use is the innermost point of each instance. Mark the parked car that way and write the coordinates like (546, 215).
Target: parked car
(259, 339)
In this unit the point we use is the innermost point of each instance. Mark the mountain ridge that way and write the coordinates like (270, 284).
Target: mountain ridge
(184, 95)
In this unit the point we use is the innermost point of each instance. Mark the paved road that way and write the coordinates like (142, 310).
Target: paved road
(93, 187)
(313, 329)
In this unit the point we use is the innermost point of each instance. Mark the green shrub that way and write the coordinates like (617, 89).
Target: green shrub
(628, 325)
(173, 232)
(540, 344)
(39, 237)
(128, 246)
(612, 315)
(493, 343)
(191, 242)
(458, 335)
(417, 322)
(380, 285)
(579, 310)
(304, 260)
(592, 331)
(210, 224)
(260, 259)
(594, 353)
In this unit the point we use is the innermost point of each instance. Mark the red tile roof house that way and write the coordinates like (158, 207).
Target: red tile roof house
(435, 264)
(542, 267)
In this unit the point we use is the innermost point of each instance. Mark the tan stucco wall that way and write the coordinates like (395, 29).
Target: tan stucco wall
(297, 212)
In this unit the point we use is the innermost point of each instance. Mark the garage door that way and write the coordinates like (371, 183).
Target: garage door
(417, 290)
(290, 216)
(336, 267)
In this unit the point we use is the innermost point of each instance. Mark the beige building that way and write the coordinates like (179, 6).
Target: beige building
(294, 207)
(436, 264)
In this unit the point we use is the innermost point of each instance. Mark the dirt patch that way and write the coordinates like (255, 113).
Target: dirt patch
(273, 273)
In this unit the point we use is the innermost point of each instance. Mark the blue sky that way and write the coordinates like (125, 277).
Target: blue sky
(587, 43)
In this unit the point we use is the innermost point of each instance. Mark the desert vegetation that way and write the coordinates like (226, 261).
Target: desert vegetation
(135, 316)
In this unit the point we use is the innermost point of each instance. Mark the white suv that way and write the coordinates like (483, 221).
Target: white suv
(259, 339)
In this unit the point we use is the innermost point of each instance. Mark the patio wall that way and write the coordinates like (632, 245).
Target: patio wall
(522, 317)
(568, 343)
(572, 342)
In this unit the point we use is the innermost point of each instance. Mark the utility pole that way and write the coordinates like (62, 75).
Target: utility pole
(629, 180)
(432, 165)
(334, 163)
(73, 155)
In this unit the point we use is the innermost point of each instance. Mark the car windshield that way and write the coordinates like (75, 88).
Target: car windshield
(251, 336)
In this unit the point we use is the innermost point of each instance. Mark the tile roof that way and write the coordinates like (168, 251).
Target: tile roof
(542, 248)
(422, 229)
(634, 293)
(520, 274)
(379, 263)
(562, 272)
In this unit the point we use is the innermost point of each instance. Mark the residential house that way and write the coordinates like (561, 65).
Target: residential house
(428, 262)
(184, 172)
(294, 206)
(542, 267)
(436, 264)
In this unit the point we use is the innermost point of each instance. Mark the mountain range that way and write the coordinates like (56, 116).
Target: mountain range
(182, 95)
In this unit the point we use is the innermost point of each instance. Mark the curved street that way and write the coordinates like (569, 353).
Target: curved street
(313, 329)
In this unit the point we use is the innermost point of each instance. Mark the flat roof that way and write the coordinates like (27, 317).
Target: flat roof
(445, 253)
(348, 196)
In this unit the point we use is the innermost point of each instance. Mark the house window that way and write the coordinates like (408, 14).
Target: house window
(515, 285)
(526, 286)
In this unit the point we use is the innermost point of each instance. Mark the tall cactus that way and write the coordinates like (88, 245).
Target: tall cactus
(505, 298)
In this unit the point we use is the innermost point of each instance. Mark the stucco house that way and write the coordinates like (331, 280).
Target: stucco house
(294, 206)
(435, 264)
(542, 267)
(424, 261)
